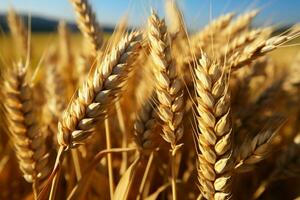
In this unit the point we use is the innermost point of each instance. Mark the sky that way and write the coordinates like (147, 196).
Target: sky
(196, 12)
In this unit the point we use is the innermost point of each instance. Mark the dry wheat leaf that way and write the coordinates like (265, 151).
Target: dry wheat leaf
(123, 187)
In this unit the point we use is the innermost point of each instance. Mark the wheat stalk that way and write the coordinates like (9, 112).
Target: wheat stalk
(214, 123)
(169, 86)
(95, 98)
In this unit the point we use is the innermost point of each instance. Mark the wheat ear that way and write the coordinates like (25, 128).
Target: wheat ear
(214, 123)
(65, 55)
(256, 149)
(211, 30)
(169, 88)
(19, 32)
(145, 134)
(23, 127)
(55, 92)
(241, 24)
(259, 49)
(203, 39)
(96, 96)
(88, 23)
(237, 44)
(176, 26)
(66, 59)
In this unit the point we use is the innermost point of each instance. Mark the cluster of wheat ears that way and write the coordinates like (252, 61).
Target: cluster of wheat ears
(152, 113)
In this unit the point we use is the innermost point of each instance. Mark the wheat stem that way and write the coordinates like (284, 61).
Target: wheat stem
(121, 122)
(55, 175)
(35, 189)
(76, 162)
(173, 172)
(145, 176)
(169, 88)
(109, 158)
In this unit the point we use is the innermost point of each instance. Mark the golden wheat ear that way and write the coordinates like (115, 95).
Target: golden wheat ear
(258, 148)
(54, 86)
(19, 32)
(95, 97)
(88, 24)
(215, 130)
(169, 88)
(65, 60)
(175, 18)
(146, 127)
(259, 49)
(23, 126)
(202, 40)
(240, 25)
(245, 39)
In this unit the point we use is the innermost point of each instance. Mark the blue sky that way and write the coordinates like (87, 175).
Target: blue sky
(197, 12)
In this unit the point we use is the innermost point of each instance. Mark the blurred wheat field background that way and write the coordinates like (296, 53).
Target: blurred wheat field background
(42, 39)
(155, 111)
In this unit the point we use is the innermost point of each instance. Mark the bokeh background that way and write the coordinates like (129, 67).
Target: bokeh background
(196, 12)
(45, 15)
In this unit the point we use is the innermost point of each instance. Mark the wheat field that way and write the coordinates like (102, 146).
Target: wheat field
(156, 112)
